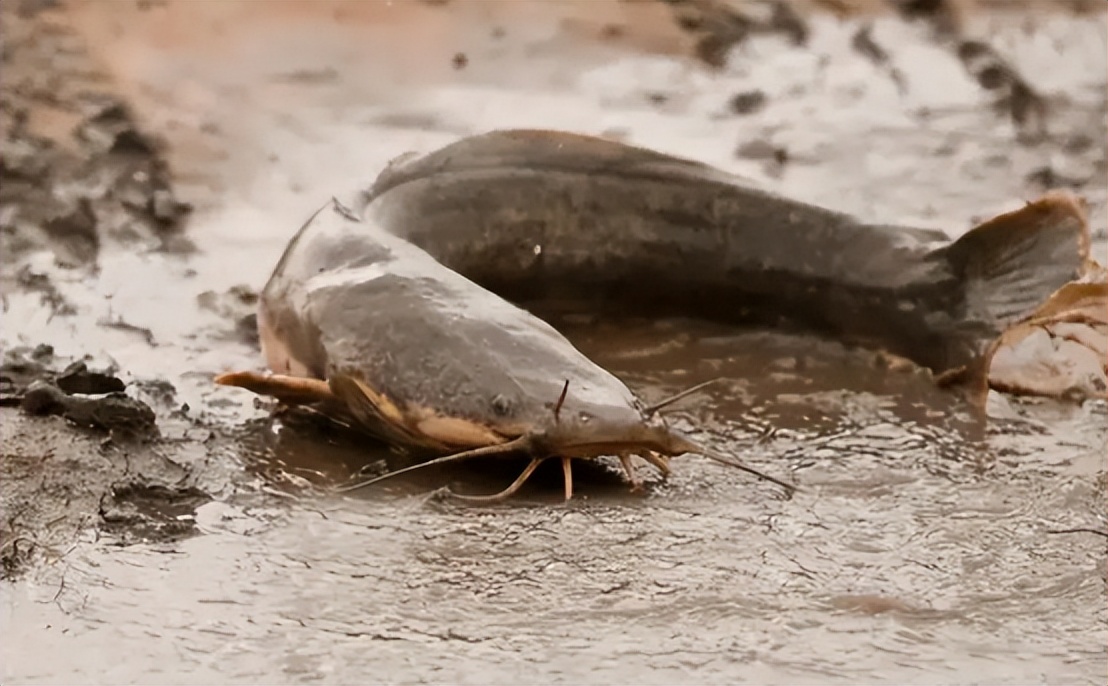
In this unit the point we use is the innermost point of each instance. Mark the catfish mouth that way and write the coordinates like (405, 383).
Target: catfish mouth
(657, 447)
(636, 439)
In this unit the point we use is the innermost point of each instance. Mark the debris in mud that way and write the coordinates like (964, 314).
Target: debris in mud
(74, 227)
(110, 130)
(59, 483)
(748, 102)
(1016, 97)
(20, 368)
(865, 44)
(121, 325)
(1051, 177)
(30, 280)
(940, 14)
(113, 186)
(307, 76)
(720, 26)
(1079, 530)
(29, 8)
(238, 304)
(138, 511)
(872, 604)
(774, 158)
(56, 483)
(157, 392)
(16, 553)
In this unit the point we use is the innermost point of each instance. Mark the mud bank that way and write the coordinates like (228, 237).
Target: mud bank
(206, 550)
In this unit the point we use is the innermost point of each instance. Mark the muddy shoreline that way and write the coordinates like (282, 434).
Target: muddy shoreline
(158, 529)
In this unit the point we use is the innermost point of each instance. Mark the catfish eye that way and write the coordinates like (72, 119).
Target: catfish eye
(501, 405)
(585, 417)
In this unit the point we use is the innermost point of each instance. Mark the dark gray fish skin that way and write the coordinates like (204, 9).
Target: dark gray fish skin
(535, 215)
(348, 299)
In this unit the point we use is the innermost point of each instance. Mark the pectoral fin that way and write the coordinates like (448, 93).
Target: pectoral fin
(378, 415)
(291, 390)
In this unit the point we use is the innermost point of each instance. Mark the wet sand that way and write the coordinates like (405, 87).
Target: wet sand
(920, 552)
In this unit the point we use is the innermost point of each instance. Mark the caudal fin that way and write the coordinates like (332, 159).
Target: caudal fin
(1011, 264)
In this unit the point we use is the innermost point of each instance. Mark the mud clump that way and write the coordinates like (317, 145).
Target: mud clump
(86, 398)
(77, 378)
(115, 412)
(24, 368)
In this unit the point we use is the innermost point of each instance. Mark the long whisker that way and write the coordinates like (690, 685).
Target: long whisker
(308, 409)
(521, 443)
(561, 400)
(660, 462)
(507, 492)
(567, 470)
(731, 462)
(651, 410)
(688, 445)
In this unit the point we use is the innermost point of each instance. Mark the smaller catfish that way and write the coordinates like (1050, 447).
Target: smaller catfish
(369, 328)
(593, 224)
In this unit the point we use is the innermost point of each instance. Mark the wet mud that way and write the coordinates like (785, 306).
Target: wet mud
(158, 529)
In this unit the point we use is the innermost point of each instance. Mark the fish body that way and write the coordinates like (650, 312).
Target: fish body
(538, 215)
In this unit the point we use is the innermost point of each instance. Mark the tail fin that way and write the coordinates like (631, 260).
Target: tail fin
(1012, 263)
(1009, 266)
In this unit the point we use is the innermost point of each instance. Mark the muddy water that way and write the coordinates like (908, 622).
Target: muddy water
(919, 552)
